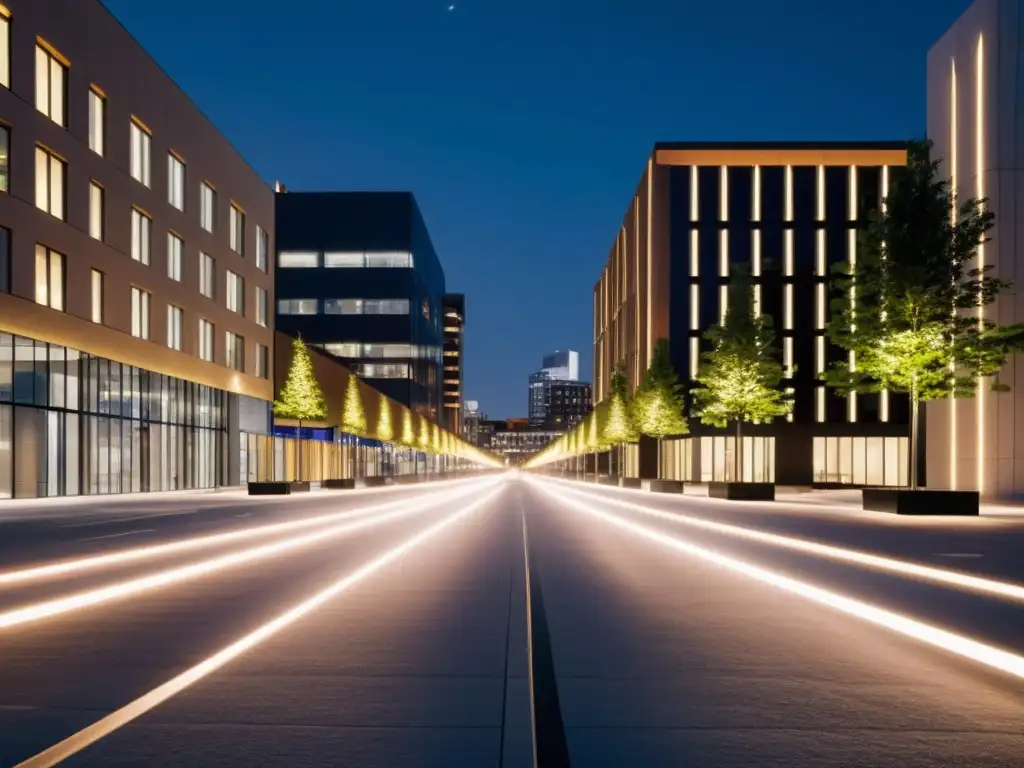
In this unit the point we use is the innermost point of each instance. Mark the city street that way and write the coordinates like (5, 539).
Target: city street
(469, 623)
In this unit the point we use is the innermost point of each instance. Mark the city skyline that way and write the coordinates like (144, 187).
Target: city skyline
(503, 208)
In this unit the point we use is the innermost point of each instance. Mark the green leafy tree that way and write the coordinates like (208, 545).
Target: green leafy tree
(385, 432)
(618, 428)
(659, 402)
(408, 432)
(301, 398)
(424, 434)
(353, 418)
(908, 309)
(739, 376)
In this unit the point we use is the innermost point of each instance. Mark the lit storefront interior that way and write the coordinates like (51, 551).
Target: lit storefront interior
(861, 460)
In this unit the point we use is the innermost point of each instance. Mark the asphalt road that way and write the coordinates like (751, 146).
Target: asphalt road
(400, 628)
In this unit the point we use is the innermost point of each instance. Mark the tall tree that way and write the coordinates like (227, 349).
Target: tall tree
(385, 432)
(910, 309)
(619, 428)
(739, 376)
(659, 402)
(353, 418)
(301, 398)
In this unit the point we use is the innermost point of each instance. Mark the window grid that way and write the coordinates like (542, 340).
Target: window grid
(296, 306)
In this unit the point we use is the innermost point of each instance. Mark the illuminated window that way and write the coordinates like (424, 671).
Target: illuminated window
(296, 307)
(207, 206)
(236, 220)
(95, 211)
(97, 122)
(175, 256)
(298, 259)
(5, 48)
(174, 323)
(206, 340)
(175, 182)
(883, 405)
(51, 173)
(140, 153)
(262, 248)
(389, 260)
(343, 259)
(140, 313)
(51, 85)
(383, 370)
(235, 293)
(694, 307)
(235, 348)
(96, 290)
(819, 404)
(261, 306)
(366, 306)
(5, 156)
(207, 275)
(142, 231)
(262, 361)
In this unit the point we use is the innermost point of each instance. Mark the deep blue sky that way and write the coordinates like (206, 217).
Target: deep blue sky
(522, 127)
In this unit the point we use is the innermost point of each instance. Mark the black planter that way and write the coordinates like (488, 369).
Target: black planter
(607, 480)
(278, 488)
(339, 484)
(742, 491)
(629, 482)
(665, 486)
(923, 501)
(374, 482)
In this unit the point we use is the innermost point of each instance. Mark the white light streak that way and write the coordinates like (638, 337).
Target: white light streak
(694, 253)
(723, 197)
(979, 121)
(723, 253)
(756, 214)
(694, 194)
(821, 193)
(953, 178)
(789, 193)
(694, 307)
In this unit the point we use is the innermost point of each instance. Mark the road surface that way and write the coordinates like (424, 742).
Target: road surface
(472, 623)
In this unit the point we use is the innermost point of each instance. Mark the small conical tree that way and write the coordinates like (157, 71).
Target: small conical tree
(424, 434)
(618, 428)
(301, 398)
(740, 376)
(385, 432)
(408, 433)
(659, 403)
(353, 418)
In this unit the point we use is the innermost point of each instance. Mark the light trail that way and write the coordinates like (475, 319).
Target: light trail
(132, 587)
(107, 725)
(92, 562)
(958, 579)
(961, 645)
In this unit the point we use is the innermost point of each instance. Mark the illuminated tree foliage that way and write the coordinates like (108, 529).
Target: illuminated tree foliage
(436, 439)
(739, 377)
(301, 398)
(907, 310)
(424, 434)
(385, 432)
(618, 428)
(659, 402)
(408, 433)
(353, 418)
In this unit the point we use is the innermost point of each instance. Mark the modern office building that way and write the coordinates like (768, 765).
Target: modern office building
(134, 268)
(787, 212)
(560, 366)
(471, 418)
(452, 360)
(976, 122)
(357, 275)
(568, 404)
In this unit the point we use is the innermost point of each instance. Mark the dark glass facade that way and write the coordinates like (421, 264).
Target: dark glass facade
(358, 276)
(86, 425)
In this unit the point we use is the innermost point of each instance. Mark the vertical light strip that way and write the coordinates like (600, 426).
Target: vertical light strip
(787, 356)
(636, 287)
(979, 121)
(819, 306)
(694, 307)
(852, 250)
(694, 253)
(787, 257)
(755, 254)
(723, 253)
(787, 306)
(883, 405)
(821, 193)
(756, 213)
(757, 300)
(723, 302)
(883, 397)
(694, 357)
(791, 395)
(853, 193)
(819, 354)
(723, 193)
(789, 193)
(953, 176)
(694, 191)
(819, 404)
(821, 260)
(650, 257)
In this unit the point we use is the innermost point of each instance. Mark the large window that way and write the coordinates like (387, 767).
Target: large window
(382, 370)
(718, 459)
(262, 361)
(5, 49)
(175, 256)
(235, 346)
(261, 306)
(296, 306)
(378, 351)
(51, 85)
(49, 278)
(96, 280)
(298, 259)
(366, 306)
(140, 313)
(96, 210)
(861, 460)
(5, 155)
(237, 237)
(97, 122)
(207, 206)
(142, 231)
(207, 269)
(175, 182)
(262, 248)
(370, 259)
(140, 153)
(175, 320)
(206, 340)
(236, 293)
(51, 173)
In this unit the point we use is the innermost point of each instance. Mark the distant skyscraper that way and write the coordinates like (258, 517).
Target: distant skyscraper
(454, 325)
(563, 365)
(562, 368)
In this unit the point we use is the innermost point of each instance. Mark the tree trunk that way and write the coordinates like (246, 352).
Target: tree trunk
(737, 464)
(298, 450)
(657, 467)
(914, 406)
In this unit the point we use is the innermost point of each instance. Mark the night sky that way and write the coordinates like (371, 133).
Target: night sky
(523, 127)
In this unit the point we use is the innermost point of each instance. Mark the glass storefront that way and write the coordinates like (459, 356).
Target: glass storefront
(73, 423)
(861, 460)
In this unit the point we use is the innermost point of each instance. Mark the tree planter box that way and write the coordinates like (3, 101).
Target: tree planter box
(629, 482)
(339, 484)
(923, 501)
(279, 488)
(742, 491)
(607, 480)
(664, 486)
(373, 482)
